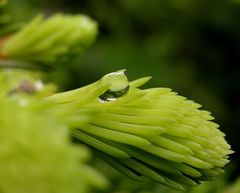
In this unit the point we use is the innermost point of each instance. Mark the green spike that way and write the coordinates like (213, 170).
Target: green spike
(136, 129)
(115, 135)
(169, 144)
(139, 82)
(164, 153)
(120, 167)
(98, 144)
(142, 169)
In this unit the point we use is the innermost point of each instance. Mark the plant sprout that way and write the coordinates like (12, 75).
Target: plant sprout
(153, 133)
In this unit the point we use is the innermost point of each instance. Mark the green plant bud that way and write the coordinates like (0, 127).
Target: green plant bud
(153, 133)
(36, 151)
(48, 39)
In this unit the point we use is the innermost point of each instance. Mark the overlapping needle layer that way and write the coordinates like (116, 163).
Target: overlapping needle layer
(152, 133)
(48, 39)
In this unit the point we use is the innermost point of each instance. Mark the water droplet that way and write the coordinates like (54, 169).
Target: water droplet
(113, 95)
(118, 88)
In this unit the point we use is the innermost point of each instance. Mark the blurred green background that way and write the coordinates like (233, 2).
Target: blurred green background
(190, 46)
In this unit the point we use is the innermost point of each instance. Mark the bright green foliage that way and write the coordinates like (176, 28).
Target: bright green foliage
(52, 38)
(36, 152)
(151, 133)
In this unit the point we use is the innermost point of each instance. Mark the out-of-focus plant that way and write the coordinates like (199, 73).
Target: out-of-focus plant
(46, 40)
(3, 2)
(37, 154)
(36, 151)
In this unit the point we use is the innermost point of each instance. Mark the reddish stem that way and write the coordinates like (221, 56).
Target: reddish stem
(2, 42)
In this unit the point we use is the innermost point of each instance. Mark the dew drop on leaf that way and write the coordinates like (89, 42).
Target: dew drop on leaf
(118, 88)
(113, 95)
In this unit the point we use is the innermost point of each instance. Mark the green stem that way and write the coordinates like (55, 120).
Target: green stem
(22, 65)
